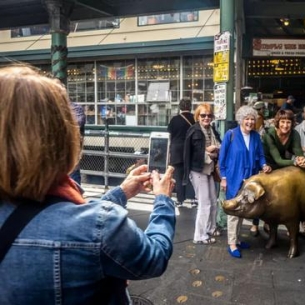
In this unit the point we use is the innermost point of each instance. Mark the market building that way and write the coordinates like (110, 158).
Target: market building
(132, 71)
(132, 65)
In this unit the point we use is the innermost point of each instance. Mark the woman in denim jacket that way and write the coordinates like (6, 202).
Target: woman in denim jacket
(66, 252)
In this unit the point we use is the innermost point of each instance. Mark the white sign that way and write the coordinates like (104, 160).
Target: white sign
(220, 95)
(222, 42)
(278, 47)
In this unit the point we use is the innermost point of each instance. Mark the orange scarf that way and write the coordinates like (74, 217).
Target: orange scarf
(68, 190)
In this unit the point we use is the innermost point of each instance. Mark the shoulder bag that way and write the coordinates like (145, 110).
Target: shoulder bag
(216, 172)
(185, 119)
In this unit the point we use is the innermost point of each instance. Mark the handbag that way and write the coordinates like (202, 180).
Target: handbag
(216, 173)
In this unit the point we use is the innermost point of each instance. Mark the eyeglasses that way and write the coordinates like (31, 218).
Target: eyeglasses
(203, 115)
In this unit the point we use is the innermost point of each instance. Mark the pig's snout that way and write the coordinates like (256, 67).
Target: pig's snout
(229, 204)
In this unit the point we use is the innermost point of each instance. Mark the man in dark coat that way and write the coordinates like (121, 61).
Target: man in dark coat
(177, 128)
(81, 120)
(288, 105)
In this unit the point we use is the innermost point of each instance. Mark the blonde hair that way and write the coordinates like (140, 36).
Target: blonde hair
(39, 136)
(205, 107)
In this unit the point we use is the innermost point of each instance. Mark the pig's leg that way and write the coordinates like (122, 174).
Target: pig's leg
(293, 230)
(272, 237)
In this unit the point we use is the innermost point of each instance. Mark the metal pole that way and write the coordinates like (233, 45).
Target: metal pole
(106, 160)
(227, 19)
(59, 54)
(240, 71)
(59, 15)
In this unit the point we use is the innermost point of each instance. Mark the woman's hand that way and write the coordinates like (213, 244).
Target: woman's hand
(137, 181)
(212, 149)
(223, 184)
(300, 161)
(267, 168)
(164, 185)
(213, 155)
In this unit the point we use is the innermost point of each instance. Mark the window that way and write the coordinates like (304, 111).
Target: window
(139, 91)
(30, 31)
(198, 78)
(80, 82)
(116, 81)
(168, 18)
(87, 25)
(158, 92)
(96, 24)
(156, 70)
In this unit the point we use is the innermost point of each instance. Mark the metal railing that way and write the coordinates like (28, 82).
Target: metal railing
(108, 153)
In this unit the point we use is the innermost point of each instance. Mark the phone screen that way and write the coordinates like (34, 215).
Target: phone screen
(158, 154)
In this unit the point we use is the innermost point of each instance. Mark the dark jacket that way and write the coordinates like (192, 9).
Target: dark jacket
(177, 128)
(80, 117)
(194, 150)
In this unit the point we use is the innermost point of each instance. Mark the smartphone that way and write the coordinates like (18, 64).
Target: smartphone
(158, 156)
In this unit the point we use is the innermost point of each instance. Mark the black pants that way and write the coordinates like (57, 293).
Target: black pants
(183, 191)
(255, 221)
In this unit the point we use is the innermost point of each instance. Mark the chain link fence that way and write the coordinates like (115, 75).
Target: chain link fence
(109, 154)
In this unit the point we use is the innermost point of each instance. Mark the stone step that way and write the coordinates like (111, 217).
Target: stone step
(96, 191)
(141, 202)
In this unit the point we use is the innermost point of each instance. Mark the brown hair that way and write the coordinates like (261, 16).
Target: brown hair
(284, 115)
(39, 136)
(205, 107)
(185, 104)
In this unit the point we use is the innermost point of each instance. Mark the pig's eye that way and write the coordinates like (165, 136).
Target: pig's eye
(244, 199)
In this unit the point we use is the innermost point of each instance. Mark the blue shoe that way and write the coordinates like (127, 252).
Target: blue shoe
(243, 245)
(235, 253)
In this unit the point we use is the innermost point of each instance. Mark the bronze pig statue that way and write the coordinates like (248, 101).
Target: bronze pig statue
(277, 198)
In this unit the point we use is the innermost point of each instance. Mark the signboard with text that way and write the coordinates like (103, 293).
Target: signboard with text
(220, 109)
(221, 57)
(221, 72)
(278, 47)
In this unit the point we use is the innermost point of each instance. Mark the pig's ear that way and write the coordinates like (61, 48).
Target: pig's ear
(255, 190)
(258, 190)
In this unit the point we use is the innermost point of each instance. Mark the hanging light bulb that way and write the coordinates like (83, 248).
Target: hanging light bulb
(285, 21)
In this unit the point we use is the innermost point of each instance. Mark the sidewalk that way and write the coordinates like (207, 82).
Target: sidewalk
(208, 275)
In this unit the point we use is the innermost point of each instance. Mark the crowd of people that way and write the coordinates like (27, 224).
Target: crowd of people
(254, 146)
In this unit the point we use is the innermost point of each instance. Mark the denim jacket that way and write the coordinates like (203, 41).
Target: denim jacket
(65, 250)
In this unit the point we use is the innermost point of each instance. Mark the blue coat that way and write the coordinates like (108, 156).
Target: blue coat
(236, 162)
(65, 250)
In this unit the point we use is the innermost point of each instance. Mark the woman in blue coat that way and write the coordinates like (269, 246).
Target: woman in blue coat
(241, 156)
